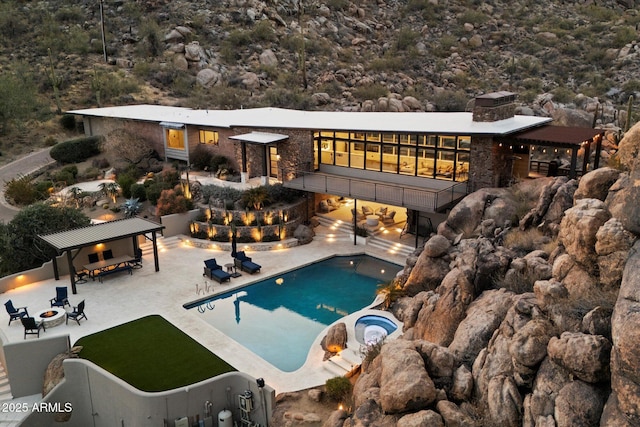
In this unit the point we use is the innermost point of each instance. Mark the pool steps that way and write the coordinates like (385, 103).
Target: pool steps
(344, 362)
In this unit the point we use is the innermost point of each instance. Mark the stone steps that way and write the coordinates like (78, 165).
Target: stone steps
(162, 242)
(5, 387)
(343, 363)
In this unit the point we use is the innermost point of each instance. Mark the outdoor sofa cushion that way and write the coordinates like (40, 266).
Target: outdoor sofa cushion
(215, 272)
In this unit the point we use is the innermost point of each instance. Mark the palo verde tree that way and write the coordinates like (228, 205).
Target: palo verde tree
(133, 149)
(20, 247)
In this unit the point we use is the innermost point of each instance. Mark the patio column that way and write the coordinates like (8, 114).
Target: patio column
(243, 175)
(574, 162)
(72, 272)
(155, 251)
(264, 179)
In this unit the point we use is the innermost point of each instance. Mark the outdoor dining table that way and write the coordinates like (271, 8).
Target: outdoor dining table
(107, 264)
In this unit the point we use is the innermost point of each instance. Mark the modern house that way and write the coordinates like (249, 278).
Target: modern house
(421, 161)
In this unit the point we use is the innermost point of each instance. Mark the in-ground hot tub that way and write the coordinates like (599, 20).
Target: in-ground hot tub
(371, 329)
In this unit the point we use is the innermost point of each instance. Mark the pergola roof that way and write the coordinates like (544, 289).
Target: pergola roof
(558, 135)
(260, 137)
(98, 233)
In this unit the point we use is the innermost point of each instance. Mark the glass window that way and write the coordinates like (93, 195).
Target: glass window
(372, 137)
(447, 142)
(432, 140)
(464, 142)
(388, 137)
(356, 155)
(209, 137)
(426, 161)
(175, 139)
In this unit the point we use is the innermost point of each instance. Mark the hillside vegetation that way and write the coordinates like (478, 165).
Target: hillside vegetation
(334, 55)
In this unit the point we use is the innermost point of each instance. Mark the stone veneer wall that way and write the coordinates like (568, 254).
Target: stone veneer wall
(493, 114)
(489, 165)
(150, 131)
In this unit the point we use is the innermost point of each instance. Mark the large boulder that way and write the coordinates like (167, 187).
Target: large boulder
(404, 382)
(596, 184)
(622, 201)
(629, 148)
(612, 247)
(504, 402)
(625, 357)
(426, 274)
(466, 217)
(539, 405)
(335, 340)
(579, 404)
(484, 315)
(453, 416)
(585, 356)
(579, 227)
(528, 347)
(420, 419)
(437, 322)
(54, 374)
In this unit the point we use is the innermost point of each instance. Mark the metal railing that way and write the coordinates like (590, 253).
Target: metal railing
(398, 194)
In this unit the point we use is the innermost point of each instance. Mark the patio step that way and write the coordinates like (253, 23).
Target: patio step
(162, 242)
(5, 387)
(390, 247)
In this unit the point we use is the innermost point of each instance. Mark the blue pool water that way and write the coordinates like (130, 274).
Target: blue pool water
(279, 322)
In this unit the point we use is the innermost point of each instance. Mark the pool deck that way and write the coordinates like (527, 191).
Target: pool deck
(122, 298)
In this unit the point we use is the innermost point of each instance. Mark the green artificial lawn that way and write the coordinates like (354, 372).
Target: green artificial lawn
(152, 355)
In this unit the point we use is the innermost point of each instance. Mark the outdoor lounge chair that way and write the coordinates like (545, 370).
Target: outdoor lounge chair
(244, 263)
(31, 327)
(62, 297)
(77, 313)
(215, 272)
(15, 313)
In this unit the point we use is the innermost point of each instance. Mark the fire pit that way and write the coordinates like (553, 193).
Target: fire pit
(50, 317)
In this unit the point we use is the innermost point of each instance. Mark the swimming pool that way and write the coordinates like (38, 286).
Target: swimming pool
(279, 318)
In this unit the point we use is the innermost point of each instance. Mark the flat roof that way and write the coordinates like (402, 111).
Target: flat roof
(560, 135)
(97, 233)
(260, 137)
(453, 123)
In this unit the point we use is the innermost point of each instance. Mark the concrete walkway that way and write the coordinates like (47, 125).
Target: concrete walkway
(23, 166)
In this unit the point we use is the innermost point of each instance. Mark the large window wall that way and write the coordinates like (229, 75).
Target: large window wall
(430, 156)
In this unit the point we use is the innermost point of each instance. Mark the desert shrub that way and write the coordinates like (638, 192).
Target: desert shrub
(21, 190)
(263, 31)
(201, 157)
(280, 193)
(373, 91)
(288, 98)
(65, 176)
(337, 4)
(406, 38)
(138, 191)
(473, 16)
(125, 181)
(102, 163)
(91, 173)
(170, 202)
(338, 388)
(68, 121)
(222, 193)
(76, 150)
(451, 100)
(387, 63)
(154, 190)
(525, 241)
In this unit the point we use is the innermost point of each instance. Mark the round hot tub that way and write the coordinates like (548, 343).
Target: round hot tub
(371, 329)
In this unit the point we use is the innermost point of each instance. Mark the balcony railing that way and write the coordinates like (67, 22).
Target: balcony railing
(398, 194)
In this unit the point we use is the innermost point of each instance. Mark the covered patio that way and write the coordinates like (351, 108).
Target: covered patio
(73, 241)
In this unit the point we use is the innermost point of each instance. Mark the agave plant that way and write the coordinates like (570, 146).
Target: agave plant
(131, 207)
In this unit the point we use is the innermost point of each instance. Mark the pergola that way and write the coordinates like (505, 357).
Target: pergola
(78, 238)
(571, 138)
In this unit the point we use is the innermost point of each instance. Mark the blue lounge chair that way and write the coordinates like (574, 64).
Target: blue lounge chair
(15, 313)
(62, 297)
(214, 271)
(244, 263)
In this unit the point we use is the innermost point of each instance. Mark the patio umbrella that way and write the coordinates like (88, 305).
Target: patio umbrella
(234, 244)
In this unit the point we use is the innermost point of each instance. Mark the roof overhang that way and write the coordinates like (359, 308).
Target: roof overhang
(260, 137)
(558, 136)
(172, 125)
(99, 233)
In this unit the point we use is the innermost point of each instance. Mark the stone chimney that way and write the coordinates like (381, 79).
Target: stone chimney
(495, 106)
